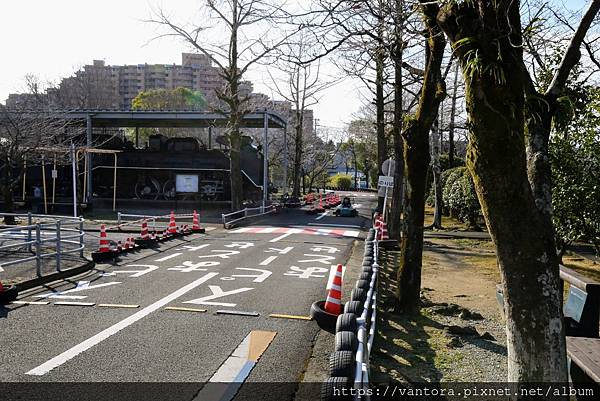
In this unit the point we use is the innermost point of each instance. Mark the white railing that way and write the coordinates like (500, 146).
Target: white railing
(65, 232)
(152, 220)
(230, 219)
(367, 318)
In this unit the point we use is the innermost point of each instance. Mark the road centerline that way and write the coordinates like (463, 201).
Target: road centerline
(106, 333)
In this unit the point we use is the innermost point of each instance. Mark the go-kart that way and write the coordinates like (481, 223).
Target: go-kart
(345, 209)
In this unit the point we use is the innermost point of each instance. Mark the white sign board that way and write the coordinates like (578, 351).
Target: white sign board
(186, 183)
(386, 181)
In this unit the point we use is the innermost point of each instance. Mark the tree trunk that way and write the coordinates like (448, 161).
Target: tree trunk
(235, 139)
(525, 249)
(416, 163)
(380, 116)
(7, 192)
(437, 175)
(395, 218)
(451, 151)
(298, 143)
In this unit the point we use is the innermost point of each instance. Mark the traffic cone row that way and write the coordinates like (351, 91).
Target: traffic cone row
(106, 252)
(333, 304)
(381, 226)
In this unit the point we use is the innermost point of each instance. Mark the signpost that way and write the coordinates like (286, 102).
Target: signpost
(386, 182)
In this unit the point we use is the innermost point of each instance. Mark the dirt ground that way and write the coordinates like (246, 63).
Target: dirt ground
(459, 335)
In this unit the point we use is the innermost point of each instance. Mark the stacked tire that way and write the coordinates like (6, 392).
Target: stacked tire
(342, 362)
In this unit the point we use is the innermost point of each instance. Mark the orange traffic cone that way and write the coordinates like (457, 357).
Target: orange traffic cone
(126, 245)
(103, 240)
(333, 304)
(384, 232)
(320, 201)
(172, 225)
(144, 234)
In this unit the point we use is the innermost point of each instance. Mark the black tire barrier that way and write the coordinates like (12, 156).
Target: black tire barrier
(354, 307)
(362, 284)
(104, 256)
(336, 388)
(346, 322)
(365, 275)
(10, 294)
(342, 364)
(368, 269)
(325, 320)
(346, 341)
(368, 259)
(358, 294)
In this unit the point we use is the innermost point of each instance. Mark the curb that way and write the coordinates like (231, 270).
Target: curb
(36, 282)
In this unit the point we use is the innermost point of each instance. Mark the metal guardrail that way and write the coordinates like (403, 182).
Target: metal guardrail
(245, 214)
(152, 220)
(367, 319)
(65, 232)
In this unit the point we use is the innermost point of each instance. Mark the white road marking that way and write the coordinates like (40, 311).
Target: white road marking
(290, 232)
(169, 257)
(104, 334)
(30, 302)
(242, 230)
(217, 292)
(280, 251)
(225, 254)
(75, 303)
(85, 285)
(322, 215)
(268, 260)
(334, 225)
(267, 230)
(237, 367)
(138, 273)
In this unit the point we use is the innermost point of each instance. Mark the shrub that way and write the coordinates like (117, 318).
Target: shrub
(341, 181)
(459, 196)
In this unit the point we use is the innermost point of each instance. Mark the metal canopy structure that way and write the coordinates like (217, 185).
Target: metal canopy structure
(178, 119)
(100, 118)
(170, 119)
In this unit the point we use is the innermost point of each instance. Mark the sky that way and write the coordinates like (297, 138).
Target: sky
(52, 39)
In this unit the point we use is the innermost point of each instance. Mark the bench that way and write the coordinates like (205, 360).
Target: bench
(581, 317)
(584, 364)
(582, 307)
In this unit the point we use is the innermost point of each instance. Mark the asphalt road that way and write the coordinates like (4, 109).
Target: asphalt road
(279, 265)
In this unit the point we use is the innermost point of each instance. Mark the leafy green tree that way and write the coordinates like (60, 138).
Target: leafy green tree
(341, 181)
(166, 99)
(575, 159)
(169, 99)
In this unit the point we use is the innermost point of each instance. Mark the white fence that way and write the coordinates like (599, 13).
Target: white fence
(230, 219)
(64, 234)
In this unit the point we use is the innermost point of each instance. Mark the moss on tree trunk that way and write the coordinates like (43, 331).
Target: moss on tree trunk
(416, 164)
(497, 161)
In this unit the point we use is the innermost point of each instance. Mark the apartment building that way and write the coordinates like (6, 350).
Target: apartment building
(114, 86)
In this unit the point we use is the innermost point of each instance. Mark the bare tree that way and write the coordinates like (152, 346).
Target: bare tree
(23, 135)
(247, 29)
(303, 84)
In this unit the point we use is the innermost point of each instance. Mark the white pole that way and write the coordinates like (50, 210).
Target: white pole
(74, 164)
(265, 162)
(386, 192)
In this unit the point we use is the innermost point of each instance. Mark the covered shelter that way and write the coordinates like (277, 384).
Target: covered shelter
(95, 118)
